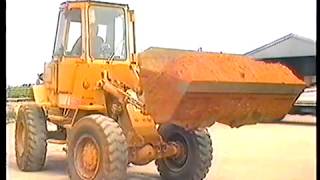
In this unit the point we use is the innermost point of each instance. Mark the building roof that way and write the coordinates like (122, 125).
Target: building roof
(290, 45)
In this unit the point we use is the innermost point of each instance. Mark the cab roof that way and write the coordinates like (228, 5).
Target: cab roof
(94, 2)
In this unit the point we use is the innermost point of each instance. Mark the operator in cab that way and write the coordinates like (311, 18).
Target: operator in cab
(76, 49)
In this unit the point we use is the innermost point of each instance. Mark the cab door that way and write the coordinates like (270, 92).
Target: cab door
(51, 68)
(109, 25)
(68, 54)
(74, 51)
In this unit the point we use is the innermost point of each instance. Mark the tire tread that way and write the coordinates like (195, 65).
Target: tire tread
(35, 153)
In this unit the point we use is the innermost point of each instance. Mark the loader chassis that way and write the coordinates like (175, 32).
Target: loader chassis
(86, 90)
(96, 92)
(71, 83)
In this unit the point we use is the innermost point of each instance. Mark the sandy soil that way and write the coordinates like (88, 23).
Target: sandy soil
(273, 151)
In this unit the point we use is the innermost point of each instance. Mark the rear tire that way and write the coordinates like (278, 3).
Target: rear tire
(196, 161)
(97, 149)
(30, 138)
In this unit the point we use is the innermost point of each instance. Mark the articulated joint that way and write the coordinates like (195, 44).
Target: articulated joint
(148, 153)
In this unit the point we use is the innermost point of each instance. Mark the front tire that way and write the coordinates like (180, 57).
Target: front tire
(97, 149)
(195, 162)
(30, 138)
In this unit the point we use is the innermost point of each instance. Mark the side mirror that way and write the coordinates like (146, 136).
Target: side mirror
(40, 76)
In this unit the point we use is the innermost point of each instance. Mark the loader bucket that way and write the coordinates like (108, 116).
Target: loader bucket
(195, 89)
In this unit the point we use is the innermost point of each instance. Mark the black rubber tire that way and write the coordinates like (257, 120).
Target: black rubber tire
(198, 147)
(110, 140)
(34, 143)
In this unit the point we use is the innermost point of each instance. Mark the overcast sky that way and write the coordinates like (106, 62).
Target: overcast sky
(230, 26)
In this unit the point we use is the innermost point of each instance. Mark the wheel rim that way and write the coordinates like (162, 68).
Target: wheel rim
(21, 135)
(87, 157)
(177, 163)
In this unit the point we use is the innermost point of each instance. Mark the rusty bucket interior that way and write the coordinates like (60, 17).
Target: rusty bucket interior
(195, 89)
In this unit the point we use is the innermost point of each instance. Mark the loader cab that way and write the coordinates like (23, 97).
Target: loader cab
(94, 31)
(91, 37)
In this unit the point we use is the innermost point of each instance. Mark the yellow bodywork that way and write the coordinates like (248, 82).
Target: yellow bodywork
(74, 87)
(74, 84)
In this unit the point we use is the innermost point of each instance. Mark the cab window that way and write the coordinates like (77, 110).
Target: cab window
(68, 38)
(107, 33)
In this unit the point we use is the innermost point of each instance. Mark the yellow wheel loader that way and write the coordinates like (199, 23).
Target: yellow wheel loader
(113, 106)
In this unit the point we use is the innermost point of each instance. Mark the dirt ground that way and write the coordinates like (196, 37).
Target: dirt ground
(273, 151)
